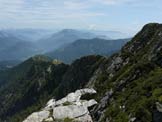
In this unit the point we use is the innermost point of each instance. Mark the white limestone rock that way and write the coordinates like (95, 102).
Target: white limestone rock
(85, 118)
(50, 104)
(89, 103)
(159, 106)
(60, 102)
(132, 119)
(85, 91)
(37, 116)
(74, 97)
(71, 111)
(68, 107)
(50, 119)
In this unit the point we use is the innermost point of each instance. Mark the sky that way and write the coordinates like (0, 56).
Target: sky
(121, 15)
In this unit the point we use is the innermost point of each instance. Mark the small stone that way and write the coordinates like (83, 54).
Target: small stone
(132, 119)
(50, 119)
(89, 103)
(159, 106)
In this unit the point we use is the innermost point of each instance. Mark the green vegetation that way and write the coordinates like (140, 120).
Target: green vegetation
(136, 85)
(68, 120)
(84, 47)
(31, 84)
(67, 103)
(133, 77)
(138, 98)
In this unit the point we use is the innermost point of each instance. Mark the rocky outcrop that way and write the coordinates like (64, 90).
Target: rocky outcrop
(70, 111)
(157, 113)
(159, 106)
(41, 78)
(71, 107)
(131, 79)
(38, 116)
(128, 83)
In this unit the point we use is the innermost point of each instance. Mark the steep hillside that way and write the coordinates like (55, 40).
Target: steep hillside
(27, 79)
(129, 83)
(85, 47)
(28, 86)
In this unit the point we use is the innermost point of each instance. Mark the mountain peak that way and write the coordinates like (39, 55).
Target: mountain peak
(68, 30)
(152, 25)
(145, 38)
(151, 28)
(128, 83)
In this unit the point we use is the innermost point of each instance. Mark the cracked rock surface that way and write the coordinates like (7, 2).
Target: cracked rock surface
(70, 107)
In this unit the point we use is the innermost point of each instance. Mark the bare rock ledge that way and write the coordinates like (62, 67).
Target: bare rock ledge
(70, 107)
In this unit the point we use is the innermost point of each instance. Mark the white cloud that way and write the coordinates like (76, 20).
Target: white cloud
(30, 12)
(11, 5)
(114, 2)
(76, 5)
(90, 13)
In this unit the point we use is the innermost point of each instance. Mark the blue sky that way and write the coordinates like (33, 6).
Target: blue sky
(123, 15)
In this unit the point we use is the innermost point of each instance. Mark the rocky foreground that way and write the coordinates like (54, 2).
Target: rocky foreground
(70, 108)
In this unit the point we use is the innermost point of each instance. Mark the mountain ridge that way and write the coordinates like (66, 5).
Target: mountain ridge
(83, 47)
(128, 83)
(13, 48)
(43, 79)
(63, 37)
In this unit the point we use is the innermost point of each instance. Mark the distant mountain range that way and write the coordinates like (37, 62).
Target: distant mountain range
(7, 64)
(128, 83)
(84, 47)
(29, 34)
(112, 34)
(20, 44)
(13, 48)
(62, 38)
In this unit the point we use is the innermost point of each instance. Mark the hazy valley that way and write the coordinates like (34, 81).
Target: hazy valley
(125, 73)
(80, 61)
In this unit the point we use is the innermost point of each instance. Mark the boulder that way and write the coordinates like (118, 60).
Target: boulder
(89, 103)
(37, 116)
(75, 97)
(159, 106)
(68, 107)
(85, 118)
(71, 111)
(50, 104)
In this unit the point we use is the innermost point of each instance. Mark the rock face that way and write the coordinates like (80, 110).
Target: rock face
(70, 111)
(71, 107)
(42, 78)
(157, 114)
(37, 116)
(128, 85)
(130, 81)
(159, 106)
(84, 47)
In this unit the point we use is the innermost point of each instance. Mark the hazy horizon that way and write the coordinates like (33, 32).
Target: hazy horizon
(115, 15)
